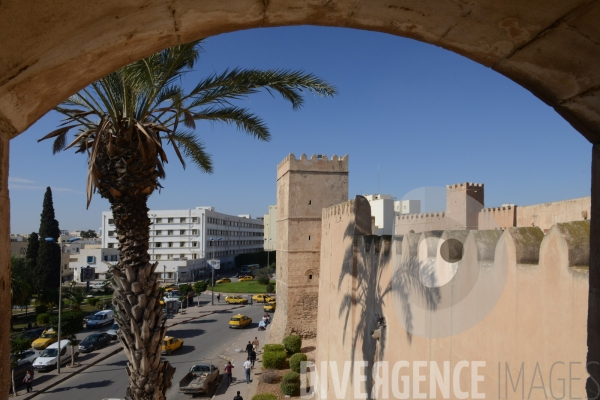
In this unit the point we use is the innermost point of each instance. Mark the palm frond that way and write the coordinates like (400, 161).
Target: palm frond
(240, 117)
(193, 148)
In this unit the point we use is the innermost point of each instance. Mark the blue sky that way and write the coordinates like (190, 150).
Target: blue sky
(409, 115)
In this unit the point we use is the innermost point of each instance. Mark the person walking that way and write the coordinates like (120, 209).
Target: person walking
(249, 347)
(250, 299)
(248, 368)
(218, 297)
(238, 397)
(28, 380)
(255, 344)
(252, 357)
(228, 371)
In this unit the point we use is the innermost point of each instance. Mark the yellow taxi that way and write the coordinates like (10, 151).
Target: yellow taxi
(263, 298)
(246, 278)
(223, 280)
(239, 321)
(235, 300)
(269, 307)
(46, 339)
(170, 344)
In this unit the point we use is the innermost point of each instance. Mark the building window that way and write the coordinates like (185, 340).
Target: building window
(111, 245)
(170, 244)
(182, 232)
(158, 244)
(170, 220)
(169, 256)
(182, 256)
(195, 219)
(111, 221)
(113, 257)
(194, 244)
(159, 220)
(194, 256)
(91, 259)
(111, 233)
(181, 244)
(158, 256)
(194, 231)
(170, 233)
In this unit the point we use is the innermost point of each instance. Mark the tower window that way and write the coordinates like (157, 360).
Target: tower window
(309, 202)
(310, 277)
(308, 237)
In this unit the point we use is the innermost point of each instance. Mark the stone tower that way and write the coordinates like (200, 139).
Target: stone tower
(464, 201)
(304, 188)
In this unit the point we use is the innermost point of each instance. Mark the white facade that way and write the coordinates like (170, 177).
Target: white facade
(180, 240)
(94, 256)
(271, 229)
(382, 210)
(407, 207)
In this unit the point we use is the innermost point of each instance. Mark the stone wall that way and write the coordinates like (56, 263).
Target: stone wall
(547, 214)
(304, 188)
(516, 300)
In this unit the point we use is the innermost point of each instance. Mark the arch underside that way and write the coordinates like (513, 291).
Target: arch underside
(52, 49)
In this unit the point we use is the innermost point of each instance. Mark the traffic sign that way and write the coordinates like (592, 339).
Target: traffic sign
(216, 264)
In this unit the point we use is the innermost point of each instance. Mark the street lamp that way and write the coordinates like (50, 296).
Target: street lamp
(164, 273)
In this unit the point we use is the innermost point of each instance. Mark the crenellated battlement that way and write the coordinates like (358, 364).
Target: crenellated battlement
(345, 208)
(438, 214)
(316, 163)
(497, 209)
(465, 186)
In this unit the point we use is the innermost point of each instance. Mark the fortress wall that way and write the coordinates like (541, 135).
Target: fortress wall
(547, 214)
(536, 326)
(423, 222)
(497, 218)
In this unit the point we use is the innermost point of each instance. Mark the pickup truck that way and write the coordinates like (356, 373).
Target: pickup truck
(199, 379)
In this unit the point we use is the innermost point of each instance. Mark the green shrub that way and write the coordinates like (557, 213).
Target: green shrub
(290, 389)
(270, 288)
(41, 309)
(42, 319)
(295, 361)
(291, 377)
(92, 301)
(269, 376)
(264, 396)
(292, 343)
(274, 359)
(273, 347)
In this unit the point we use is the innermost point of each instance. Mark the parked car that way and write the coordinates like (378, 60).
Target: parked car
(28, 356)
(98, 285)
(20, 372)
(47, 360)
(101, 318)
(269, 307)
(47, 338)
(239, 321)
(246, 278)
(113, 331)
(235, 300)
(263, 298)
(32, 334)
(94, 342)
(199, 379)
(223, 280)
(170, 344)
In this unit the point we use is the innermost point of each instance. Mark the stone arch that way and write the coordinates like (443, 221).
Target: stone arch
(52, 49)
(311, 275)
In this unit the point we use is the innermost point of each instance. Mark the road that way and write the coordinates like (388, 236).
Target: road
(204, 339)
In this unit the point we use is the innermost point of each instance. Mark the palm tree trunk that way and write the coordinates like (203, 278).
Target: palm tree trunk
(136, 297)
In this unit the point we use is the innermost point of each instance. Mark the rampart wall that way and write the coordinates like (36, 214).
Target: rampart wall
(498, 218)
(547, 214)
(407, 223)
(514, 304)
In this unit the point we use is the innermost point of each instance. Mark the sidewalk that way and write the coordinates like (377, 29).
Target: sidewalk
(44, 381)
(237, 355)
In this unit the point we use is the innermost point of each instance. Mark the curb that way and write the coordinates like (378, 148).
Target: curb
(62, 379)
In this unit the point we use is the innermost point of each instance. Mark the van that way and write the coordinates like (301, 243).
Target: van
(101, 318)
(47, 360)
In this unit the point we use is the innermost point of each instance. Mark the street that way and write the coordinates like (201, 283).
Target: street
(204, 339)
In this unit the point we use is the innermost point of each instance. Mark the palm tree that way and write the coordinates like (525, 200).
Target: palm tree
(77, 298)
(124, 121)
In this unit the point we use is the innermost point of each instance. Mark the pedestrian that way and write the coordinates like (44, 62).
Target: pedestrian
(250, 299)
(255, 344)
(252, 357)
(28, 380)
(219, 297)
(228, 369)
(248, 368)
(249, 347)
(238, 397)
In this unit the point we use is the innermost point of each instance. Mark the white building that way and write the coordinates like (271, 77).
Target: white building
(271, 229)
(182, 240)
(94, 256)
(382, 210)
(407, 207)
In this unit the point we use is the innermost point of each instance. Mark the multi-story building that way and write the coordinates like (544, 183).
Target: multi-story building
(182, 240)
(94, 256)
(271, 229)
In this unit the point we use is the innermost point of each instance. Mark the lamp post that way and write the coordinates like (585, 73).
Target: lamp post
(213, 272)
(164, 273)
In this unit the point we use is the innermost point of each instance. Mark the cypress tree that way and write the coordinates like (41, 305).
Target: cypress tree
(31, 256)
(48, 261)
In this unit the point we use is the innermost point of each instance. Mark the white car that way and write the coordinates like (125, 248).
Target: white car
(97, 285)
(113, 331)
(47, 360)
(27, 356)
